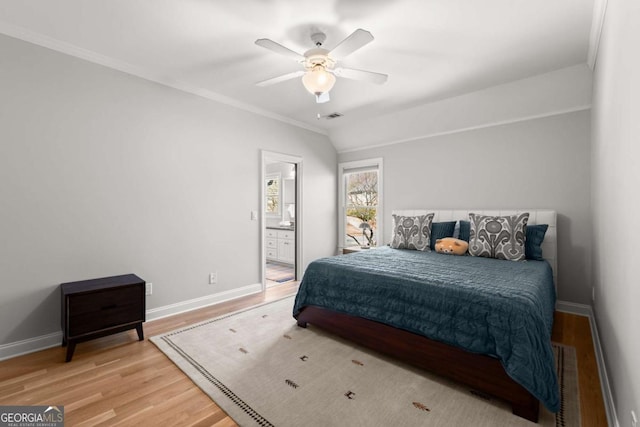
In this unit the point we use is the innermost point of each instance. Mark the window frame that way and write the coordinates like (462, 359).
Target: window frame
(276, 176)
(345, 168)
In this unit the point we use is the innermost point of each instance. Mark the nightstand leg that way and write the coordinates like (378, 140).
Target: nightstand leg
(140, 333)
(70, 349)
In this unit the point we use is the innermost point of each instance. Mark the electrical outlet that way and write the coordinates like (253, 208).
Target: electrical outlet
(634, 419)
(148, 290)
(254, 215)
(213, 278)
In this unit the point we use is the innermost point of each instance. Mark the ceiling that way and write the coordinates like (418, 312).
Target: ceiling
(431, 49)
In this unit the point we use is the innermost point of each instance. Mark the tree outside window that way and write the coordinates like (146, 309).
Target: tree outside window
(361, 208)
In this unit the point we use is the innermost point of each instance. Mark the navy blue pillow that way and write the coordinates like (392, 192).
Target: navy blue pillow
(441, 230)
(533, 241)
(465, 230)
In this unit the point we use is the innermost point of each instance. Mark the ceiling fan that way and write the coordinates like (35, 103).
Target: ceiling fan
(320, 71)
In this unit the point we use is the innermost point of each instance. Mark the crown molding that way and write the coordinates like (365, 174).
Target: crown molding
(489, 124)
(144, 73)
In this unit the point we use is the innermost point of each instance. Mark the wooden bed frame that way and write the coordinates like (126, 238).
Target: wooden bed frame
(481, 372)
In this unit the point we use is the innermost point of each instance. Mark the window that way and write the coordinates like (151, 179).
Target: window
(361, 201)
(273, 195)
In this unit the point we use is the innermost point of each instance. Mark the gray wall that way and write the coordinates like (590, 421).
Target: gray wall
(616, 202)
(102, 173)
(542, 163)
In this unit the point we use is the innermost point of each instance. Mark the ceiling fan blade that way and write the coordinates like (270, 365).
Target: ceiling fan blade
(322, 98)
(355, 41)
(278, 48)
(367, 76)
(281, 78)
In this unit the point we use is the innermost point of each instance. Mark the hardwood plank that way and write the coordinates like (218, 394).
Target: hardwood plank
(575, 331)
(95, 420)
(126, 400)
(118, 380)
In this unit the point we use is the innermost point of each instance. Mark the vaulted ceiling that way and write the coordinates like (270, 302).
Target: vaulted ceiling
(431, 49)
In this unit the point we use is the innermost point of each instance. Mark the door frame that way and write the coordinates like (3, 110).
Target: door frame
(271, 156)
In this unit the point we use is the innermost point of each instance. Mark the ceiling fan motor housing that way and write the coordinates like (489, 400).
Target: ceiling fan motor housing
(318, 56)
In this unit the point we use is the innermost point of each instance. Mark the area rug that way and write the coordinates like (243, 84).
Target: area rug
(264, 370)
(279, 273)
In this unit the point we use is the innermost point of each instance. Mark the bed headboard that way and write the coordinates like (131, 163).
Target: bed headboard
(536, 216)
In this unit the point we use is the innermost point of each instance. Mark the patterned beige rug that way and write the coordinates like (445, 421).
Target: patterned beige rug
(264, 370)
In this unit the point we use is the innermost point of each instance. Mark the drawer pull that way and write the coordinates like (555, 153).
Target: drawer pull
(108, 307)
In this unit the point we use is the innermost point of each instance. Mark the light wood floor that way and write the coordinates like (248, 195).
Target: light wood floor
(118, 380)
(575, 331)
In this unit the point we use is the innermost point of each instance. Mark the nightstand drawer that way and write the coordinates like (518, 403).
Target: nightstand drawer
(104, 309)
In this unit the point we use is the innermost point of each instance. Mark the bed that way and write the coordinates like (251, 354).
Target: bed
(483, 322)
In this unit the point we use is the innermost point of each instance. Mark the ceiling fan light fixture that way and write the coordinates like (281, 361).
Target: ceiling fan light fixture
(319, 64)
(318, 80)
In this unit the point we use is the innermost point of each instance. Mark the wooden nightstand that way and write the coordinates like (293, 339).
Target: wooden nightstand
(352, 249)
(98, 307)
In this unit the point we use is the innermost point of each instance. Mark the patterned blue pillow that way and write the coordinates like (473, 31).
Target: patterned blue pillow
(500, 237)
(533, 241)
(412, 232)
(441, 230)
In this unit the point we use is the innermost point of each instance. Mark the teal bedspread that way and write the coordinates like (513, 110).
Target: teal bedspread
(500, 308)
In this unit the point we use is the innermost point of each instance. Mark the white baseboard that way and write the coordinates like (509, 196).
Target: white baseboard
(587, 310)
(31, 345)
(193, 304)
(573, 308)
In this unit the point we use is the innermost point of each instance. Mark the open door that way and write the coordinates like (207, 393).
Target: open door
(281, 218)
